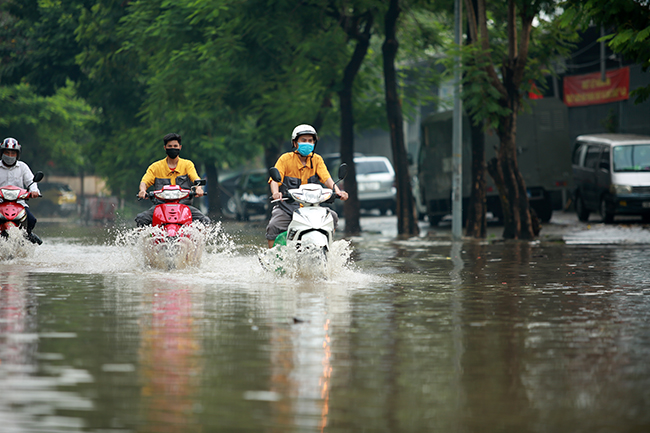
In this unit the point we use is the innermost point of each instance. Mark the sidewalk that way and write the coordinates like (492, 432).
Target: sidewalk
(563, 227)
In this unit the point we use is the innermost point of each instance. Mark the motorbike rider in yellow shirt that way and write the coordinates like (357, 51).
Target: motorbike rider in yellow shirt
(172, 170)
(300, 166)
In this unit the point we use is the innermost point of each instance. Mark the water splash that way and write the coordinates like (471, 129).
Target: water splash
(307, 264)
(225, 262)
(217, 241)
(15, 245)
(150, 247)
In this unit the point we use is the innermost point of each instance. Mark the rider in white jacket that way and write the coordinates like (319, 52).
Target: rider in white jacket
(17, 173)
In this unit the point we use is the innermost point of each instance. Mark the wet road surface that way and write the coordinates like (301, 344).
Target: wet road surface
(419, 334)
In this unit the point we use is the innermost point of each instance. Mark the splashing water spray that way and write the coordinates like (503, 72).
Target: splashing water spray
(150, 245)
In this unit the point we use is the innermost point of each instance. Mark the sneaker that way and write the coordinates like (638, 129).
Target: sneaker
(33, 238)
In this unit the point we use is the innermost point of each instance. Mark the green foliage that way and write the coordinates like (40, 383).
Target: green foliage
(423, 33)
(629, 22)
(548, 41)
(231, 77)
(39, 44)
(55, 131)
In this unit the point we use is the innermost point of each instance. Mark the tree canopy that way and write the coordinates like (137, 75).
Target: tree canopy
(627, 23)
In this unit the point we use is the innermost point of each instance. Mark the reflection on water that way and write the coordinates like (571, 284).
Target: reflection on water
(413, 335)
(170, 362)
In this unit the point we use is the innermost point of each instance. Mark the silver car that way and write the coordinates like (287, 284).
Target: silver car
(375, 181)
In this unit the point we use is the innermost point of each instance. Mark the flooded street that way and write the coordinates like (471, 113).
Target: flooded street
(411, 335)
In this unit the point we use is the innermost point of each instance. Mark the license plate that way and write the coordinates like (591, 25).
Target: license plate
(369, 186)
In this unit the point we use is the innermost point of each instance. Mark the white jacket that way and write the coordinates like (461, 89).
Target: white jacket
(18, 175)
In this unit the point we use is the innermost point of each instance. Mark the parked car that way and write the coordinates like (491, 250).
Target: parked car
(612, 175)
(375, 181)
(245, 193)
(56, 198)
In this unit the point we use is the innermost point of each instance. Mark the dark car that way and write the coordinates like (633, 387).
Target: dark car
(612, 176)
(245, 194)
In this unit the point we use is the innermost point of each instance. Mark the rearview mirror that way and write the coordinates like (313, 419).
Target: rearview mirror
(275, 174)
(343, 171)
(38, 176)
(200, 182)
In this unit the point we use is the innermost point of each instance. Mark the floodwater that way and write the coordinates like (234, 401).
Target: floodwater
(417, 335)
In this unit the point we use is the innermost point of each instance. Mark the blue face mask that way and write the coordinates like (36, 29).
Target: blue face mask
(305, 148)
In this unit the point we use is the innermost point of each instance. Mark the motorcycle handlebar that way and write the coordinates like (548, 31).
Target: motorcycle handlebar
(149, 195)
(287, 198)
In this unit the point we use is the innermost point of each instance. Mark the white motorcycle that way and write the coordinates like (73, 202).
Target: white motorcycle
(311, 230)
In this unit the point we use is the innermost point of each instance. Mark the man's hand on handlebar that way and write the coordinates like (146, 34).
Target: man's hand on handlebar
(142, 194)
(343, 195)
(199, 191)
(276, 196)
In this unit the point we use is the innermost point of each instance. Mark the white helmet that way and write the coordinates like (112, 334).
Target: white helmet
(304, 130)
(10, 144)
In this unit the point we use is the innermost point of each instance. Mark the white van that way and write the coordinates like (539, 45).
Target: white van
(612, 175)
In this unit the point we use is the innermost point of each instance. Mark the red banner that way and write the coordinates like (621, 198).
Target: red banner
(589, 89)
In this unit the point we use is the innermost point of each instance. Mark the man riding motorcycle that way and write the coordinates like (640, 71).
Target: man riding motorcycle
(17, 173)
(171, 170)
(301, 165)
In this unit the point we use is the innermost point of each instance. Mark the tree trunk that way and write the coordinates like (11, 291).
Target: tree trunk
(406, 217)
(351, 207)
(476, 226)
(272, 153)
(214, 194)
(517, 220)
(81, 200)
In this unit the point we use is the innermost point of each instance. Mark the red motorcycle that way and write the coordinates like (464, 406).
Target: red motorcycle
(173, 241)
(12, 213)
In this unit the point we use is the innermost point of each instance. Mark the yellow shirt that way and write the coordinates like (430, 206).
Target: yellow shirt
(161, 170)
(289, 165)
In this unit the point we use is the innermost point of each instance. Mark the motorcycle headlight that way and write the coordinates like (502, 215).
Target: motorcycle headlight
(174, 194)
(312, 197)
(11, 194)
(620, 189)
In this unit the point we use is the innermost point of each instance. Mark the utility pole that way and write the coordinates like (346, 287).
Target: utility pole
(457, 136)
(603, 74)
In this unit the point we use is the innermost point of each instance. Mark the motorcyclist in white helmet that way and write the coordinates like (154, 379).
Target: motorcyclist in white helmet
(17, 173)
(300, 166)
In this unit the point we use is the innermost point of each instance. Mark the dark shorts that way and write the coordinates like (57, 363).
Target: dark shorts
(31, 220)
